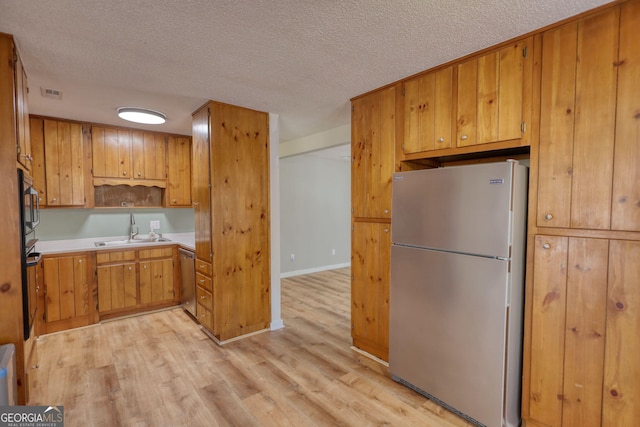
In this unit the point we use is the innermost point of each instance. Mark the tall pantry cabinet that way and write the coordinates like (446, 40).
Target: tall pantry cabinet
(582, 343)
(373, 128)
(12, 142)
(232, 219)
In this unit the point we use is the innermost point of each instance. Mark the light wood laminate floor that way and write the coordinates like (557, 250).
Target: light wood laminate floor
(160, 369)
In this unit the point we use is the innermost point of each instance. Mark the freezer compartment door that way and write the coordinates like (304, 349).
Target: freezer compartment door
(461, 209)
(448, 321)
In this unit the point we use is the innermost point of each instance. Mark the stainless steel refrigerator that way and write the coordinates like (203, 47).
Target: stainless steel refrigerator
(457, 286)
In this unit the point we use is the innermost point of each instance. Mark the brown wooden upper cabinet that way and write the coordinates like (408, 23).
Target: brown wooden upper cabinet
(22, 114)
(373, 130)
(128, 154)
(179, 166)
(491, 90)
(590, 98)
(428, 111)
(58, 162)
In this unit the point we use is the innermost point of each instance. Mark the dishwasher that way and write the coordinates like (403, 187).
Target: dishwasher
(188, 281)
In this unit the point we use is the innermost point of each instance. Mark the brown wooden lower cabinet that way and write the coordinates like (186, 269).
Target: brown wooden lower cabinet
(136, 280)
(584, 366)
(370, 269)
(68, 292)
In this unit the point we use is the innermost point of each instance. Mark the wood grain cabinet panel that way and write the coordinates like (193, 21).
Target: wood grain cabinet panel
(117, 287)
(67, 292)
(622, 368)
(149, 155)
(588, 151)
(179, 168)
(111, 148)
(373, 153)
(428, 111)
(370, 269)
(491, 90)
(584, 344)
(625, 213)
(64, 163)
(156, 281)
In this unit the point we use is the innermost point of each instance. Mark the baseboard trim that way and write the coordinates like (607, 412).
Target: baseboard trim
(370, 356)
(313, 270)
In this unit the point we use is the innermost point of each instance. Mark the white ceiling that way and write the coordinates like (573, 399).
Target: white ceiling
(301, 59)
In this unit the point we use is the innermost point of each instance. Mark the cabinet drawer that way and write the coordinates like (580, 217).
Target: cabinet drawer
(203, 267)
(205, 317)
(105, 257)
(156, 253)
(204, 282)
(204, 298)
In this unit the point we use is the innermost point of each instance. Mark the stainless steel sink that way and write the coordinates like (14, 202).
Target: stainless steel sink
(134, 241)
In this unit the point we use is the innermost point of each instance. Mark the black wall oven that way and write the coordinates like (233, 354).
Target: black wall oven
(29, 219)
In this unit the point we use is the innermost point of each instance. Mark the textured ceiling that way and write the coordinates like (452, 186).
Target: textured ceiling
(301, 59)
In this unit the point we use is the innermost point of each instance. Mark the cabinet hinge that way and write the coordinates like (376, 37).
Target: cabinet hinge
(523, 127)
(18, 149)
(403, 147)
(525, 51)
(15, 56)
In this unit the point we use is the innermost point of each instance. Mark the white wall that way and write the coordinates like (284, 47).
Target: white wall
(315, 213)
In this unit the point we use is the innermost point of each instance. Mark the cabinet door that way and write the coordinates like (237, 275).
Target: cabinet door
(568, 330)
(64, 169)
(373, 152)
(156, 281)
(428, 101)
(66, 288)
(22, 115)
(370, 264)
(117, 287)
(490, 96)
(201, 188)
(179, 184)
(625, 213)
(149, 155)
(577, 123)
(111, 152)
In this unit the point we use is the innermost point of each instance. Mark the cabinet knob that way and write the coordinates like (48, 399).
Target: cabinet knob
(548, 217)
(201, 280)
(386, 230)
(175, 200)
(54, 199)
(463, 137)
(144, 266)
(441, 139)
(202, 297)
(124, 173)
(139, 173)
(546, 246)
(79, 261)
(386, 211)
(129, 268)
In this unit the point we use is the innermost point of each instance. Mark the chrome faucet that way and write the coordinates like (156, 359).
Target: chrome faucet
(132, 233)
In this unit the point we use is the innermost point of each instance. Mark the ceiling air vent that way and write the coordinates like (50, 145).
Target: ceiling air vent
(51, 93)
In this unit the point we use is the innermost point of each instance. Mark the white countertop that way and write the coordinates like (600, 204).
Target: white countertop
(185, 240)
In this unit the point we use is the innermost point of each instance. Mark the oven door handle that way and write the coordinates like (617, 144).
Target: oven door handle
(35, 207)
(33, 259)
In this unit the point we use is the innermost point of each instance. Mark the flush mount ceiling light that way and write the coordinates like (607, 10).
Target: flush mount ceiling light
(141, 115)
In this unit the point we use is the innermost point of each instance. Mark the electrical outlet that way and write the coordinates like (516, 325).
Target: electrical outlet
(154, 225)
(333, 251)
(292, 257)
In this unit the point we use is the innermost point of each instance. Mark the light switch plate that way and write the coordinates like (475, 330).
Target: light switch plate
(154, 224)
